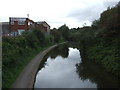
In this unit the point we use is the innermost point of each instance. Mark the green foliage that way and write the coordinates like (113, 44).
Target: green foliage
(18, 51)
(56, 34)
(100, 43)
(74, 37)
(40, 36)
(95, 24)
(106, 55)
(110, 22)
(49, 40)
(64, 31)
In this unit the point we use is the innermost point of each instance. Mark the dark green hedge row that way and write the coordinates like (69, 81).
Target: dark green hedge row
(18, 51)
(107, 55)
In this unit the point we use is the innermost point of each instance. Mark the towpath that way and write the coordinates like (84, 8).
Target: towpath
(26, 78)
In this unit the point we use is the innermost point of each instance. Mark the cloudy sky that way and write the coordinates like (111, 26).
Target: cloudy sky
(73, 13)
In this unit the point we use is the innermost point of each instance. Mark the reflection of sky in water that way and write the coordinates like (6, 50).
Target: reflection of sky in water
(61, 73)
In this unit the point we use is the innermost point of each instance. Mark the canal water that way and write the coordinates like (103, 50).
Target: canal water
(63, 67)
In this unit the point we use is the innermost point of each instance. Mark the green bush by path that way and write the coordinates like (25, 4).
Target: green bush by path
(18, 51)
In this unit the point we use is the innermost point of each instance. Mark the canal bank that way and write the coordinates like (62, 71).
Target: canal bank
(63, 67)
(26, 78)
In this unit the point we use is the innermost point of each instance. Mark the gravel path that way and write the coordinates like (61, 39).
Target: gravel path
(26, 78)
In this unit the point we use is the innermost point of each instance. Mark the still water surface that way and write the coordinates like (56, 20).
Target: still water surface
(63, 67)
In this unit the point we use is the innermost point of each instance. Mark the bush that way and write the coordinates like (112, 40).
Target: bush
(17, 52)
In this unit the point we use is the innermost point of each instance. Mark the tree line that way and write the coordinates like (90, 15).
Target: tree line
(99, 42)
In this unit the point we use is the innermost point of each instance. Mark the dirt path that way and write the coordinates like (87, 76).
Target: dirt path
(26, 78)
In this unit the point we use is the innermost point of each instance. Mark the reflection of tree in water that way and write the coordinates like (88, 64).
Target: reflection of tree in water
(74, 45)
(96, 74)
(61, 50)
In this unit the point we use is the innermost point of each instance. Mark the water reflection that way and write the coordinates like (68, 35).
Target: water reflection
(62, 67)
(60, 72)
(96, 74)
(61, 50)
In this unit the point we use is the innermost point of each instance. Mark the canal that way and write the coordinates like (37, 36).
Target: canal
(63, 67)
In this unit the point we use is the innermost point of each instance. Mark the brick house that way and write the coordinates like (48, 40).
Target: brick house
(18, 25)
(40, 27)
(46, 27)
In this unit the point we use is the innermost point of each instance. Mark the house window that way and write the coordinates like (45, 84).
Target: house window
(12, 22)
(28, 23)
(21, 22)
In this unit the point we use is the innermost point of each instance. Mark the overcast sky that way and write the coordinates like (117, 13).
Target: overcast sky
(73, 13)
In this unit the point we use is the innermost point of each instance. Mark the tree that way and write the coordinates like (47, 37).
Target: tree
(95, 24)
(39, 35)
(56, 34)
(64, 31)
(109, 21)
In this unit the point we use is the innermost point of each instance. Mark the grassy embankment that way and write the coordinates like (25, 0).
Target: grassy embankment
(100, 43)
(18, 51)
(104, 54)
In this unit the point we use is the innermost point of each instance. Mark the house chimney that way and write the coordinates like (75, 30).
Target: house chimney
(28, 16)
